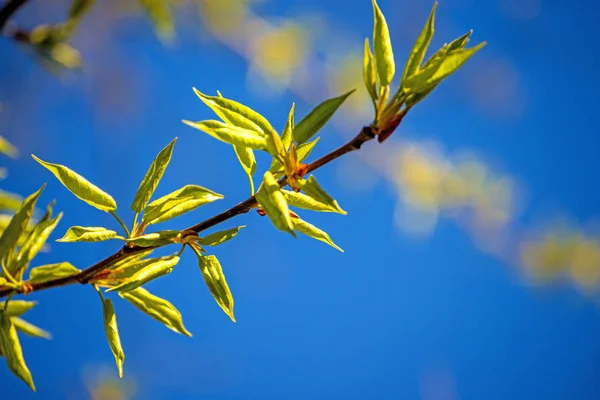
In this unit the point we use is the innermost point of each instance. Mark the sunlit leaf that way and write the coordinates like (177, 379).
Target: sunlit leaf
(246, 158)
(7, 148)
(369, 73)
(417, 54)
(384, 55)
(287, 135)
(152, 177)
(88, 234)
(80, 187)
(29, 329)
(154, 268)
(273, 202)
(460, 42)
(314, 232)
(217, 238)
(302, 151)
(49, 272)
(312, 188)
(183, 200)
(215, 280)
(161, 15)
(314, 121)
(157, 308)
(231, 134)
(16, 308)
(159, 238)
(112, 334)
(18, 224)
(130, 260)
(11, 347)
(301, 200)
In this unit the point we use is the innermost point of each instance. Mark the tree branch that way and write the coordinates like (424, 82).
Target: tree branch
(10, 8)
(366, 134)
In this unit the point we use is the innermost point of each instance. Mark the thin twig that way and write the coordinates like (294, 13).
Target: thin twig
(9, 9)
(366, 134)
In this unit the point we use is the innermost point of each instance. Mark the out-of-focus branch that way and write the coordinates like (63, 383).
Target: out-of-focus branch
(8, 10)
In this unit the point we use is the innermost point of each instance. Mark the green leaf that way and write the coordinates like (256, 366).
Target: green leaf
(152, 178)
(9, 201)
(288, 130)
(80, 187)
(246, 158)
(318, 117)
(30, 329)
(16, 308)
(186, 199)
(161, 16)
(312, 188)
(154, 269)
(11, 347)
(417, 54)
(217, 238)
(7, 148)
(157, 308)
(215, 280)
(88, 234)
(231, 134)
(302, 152)
(273, 202)
(79, 8)
(112, 334)
(369, 74)
(18, 224)
(301, 200)
(130, 260)
(36, 239)
(427, 78)
(159, 238)
(49, 272)
(384, 56)
(460, 42)
(314, 232)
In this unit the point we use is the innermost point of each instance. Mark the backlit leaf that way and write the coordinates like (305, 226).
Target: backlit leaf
(112, 334)
(11, 347)
(312, 188)
(157, 308)
(80, 187)
(49, 272)
(159, 238)
(301, 200)
(217, 238)
(183, 200)
(384, 55)
(152, 177)
(215, 280)
(273, 202)
(302, 152)
(88, 234)
(17, 308)
(231, 134)
(29, 329)
(417, 54)
(246, 158)
(287, 135)
(314, 121)
(369, 73)
(314, 232)
(154, 269)
(460, 42)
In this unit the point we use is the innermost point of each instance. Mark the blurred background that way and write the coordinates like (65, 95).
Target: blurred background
(472, 256)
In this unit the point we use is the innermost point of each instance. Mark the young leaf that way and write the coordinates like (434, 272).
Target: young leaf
(159, 238)
(460, 43)
(52, 271)
(18, 224)
(217, 238)
(302, 152)
(186, 199)
(112, 334)
(152, 178)
(17, 308)
(246, 158)
(29, 329)
(236, 114)
(11, 347)
(230, 134)
(35, 241)
(384, 56)
(157, 308)
(417, 54)
(161, 16)
(369, 74)
(155, 269)
(80, 187)
(301, 200)
(288, 130)
(130, 260)
(312, 188)
(88, 234)
(273, 202)
(311, 123)
(215, 280)
(314, 232)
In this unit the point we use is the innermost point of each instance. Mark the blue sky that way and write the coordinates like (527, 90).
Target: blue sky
(391, 318)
